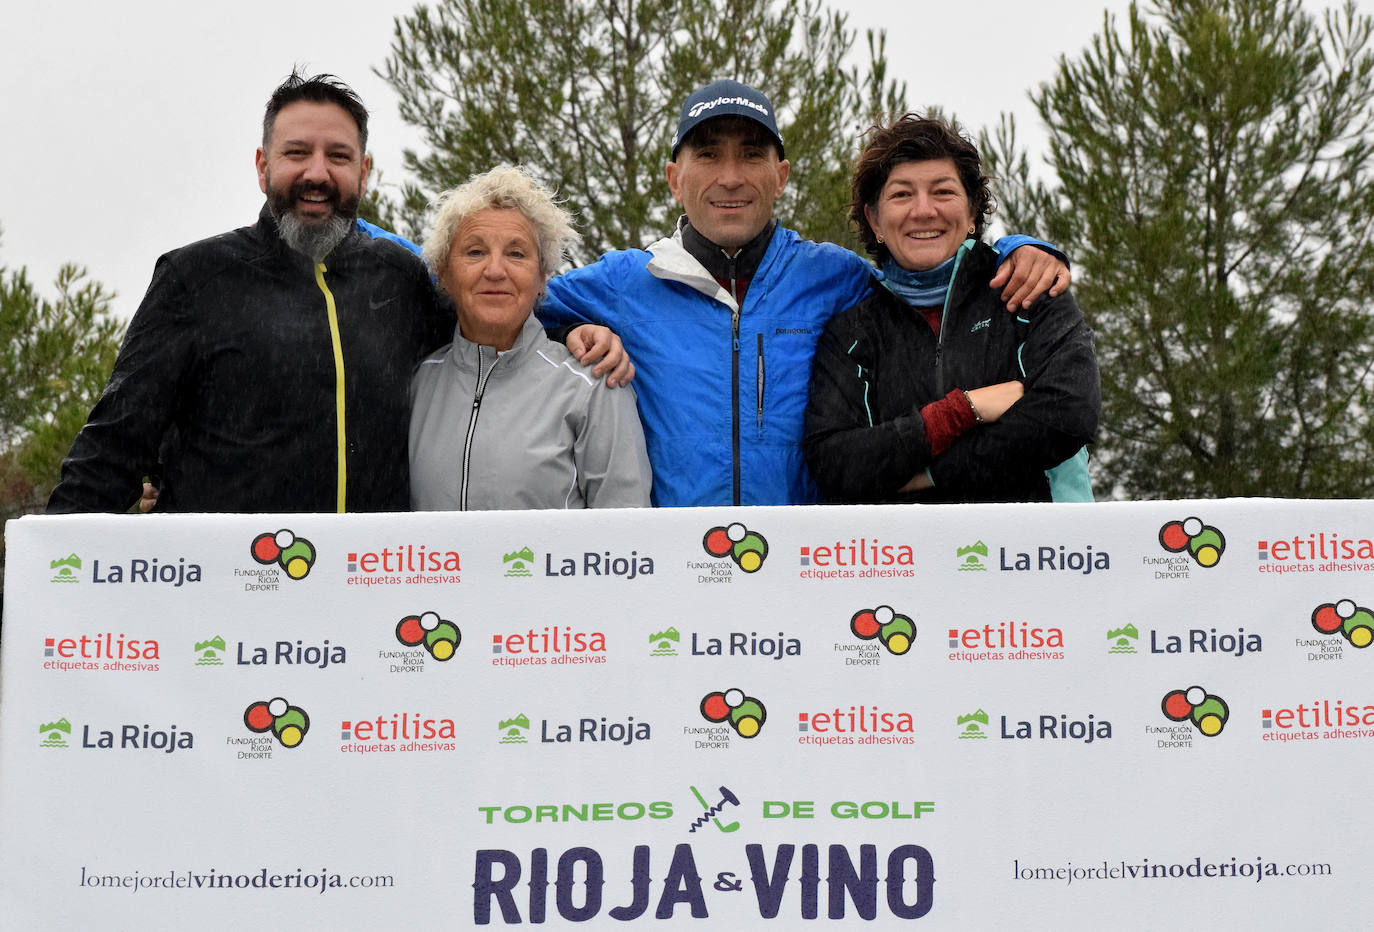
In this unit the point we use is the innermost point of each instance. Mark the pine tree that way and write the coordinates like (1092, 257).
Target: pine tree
(1212, 181)
(587, 94)
(55, 356)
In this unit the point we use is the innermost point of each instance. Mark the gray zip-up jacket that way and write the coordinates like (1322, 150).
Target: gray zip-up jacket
(525, 428)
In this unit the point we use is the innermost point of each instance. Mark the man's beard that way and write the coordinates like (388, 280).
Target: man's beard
(317, 238)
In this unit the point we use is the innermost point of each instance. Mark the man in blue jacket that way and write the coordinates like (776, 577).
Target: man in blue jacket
(722, 317)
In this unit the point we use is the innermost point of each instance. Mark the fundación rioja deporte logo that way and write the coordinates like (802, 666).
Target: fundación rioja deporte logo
(439, 637)
(295, 555)
(895, 632)
(744, 714)
(1350, 621)
(1204, 543)
(748, 549)
(288, 723)
(1207, 712)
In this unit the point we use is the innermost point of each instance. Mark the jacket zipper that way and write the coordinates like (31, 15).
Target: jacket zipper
(341, 429)
(944, 315)
(482, 375)
(758, 386)
(734, 381)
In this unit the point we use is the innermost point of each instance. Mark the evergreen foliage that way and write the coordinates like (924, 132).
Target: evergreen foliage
(55, 357)
(1212, 181)
(587, 94)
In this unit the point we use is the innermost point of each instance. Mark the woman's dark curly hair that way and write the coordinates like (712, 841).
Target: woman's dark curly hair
(914, 138)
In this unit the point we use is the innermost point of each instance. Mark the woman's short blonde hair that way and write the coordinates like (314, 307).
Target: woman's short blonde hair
(508, 187)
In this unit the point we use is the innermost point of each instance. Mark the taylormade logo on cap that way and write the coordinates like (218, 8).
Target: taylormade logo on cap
(697, 109)
(725, 98)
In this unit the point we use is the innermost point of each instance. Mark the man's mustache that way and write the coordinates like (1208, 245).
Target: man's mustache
(302, 188)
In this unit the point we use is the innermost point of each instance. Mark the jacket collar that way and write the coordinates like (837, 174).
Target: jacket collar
(744, 264)
(974, 271)
(671, 260)
(337, 260)
(464, 353)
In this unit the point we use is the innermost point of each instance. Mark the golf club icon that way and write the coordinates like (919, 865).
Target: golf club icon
(727, 798)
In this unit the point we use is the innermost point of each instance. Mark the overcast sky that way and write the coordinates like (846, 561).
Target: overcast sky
(130, 126)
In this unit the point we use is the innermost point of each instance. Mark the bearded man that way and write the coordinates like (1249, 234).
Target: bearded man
(267, 368)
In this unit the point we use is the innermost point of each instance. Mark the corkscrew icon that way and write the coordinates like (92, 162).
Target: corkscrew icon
(727, 798)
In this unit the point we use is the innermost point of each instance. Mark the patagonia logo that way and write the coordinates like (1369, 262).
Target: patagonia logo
(782, 330)
(985, 322)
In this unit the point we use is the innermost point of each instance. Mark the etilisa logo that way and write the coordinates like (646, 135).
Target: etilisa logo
(209, 652)
(404, 564)
(973, 726)
(65, 568)
(859, 557)
(1007, 640)
(856, 724)
(971, 557)
(1318, 720)
(518, 563)
(513, 730)
(105, 651)
(548, 645)
(1315, 552)
(438, 637)
(665, 643)
(1205, 711)
(1123, 639)
(397, 733)
(746, 549)
(286, 722)
(295, 555)
(744, 714)
(1353, 622)
(55, 734)
(1204, 543)
(894, 631)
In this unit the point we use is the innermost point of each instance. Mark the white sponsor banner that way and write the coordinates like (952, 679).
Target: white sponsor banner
(1141, 716)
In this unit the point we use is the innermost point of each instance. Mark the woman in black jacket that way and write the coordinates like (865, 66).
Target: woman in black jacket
(928, 390)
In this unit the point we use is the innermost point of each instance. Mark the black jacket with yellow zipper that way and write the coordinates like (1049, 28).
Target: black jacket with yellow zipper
(254, 380)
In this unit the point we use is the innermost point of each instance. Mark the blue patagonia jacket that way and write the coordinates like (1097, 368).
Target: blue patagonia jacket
(722, 388)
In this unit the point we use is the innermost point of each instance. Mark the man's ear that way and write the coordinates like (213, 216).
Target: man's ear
(784, 171)
(670, 170)
(367, 169)
(261, 159)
